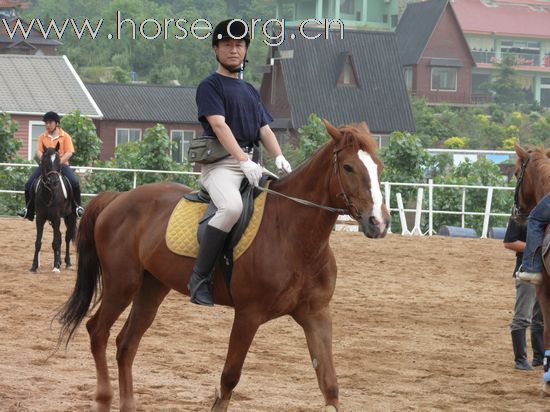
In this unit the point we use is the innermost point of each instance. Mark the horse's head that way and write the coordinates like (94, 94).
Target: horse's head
(50, 164)
(357, 171)
(533, 179)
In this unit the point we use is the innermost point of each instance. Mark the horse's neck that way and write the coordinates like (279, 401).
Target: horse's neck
(310, 182)
(542, 182)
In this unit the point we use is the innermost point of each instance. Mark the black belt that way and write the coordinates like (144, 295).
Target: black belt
(248, 149)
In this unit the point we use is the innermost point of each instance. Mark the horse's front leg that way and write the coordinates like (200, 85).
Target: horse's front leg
(56, 244)
(244, 328)
(318, 330)
(37, 243)
(70, 226)
(543, 297)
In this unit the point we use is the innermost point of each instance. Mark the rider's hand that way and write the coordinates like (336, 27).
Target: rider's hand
(252, 171)
(282, 164)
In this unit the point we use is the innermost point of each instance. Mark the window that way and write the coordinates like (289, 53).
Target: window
(180, 144)
(347, 72)
(444, 78)
(408, 72)
(35, 130)
(127, 135)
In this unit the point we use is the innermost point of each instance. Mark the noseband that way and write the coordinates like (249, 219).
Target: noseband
(518, 213)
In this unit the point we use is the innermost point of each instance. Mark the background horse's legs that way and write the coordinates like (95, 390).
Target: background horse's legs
(113, 303)
(242, 333)
(144, 309)
(318, 330)
(70, 232)
(56, 243)
(38, 243)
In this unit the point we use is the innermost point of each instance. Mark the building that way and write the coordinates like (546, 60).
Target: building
(129, 109)
(516, 28)
(435, 55)
(350, 80)
(364, 14)
(34, 85)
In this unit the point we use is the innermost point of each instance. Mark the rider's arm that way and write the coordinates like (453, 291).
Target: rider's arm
(517, 246)
(226, 137)
(66, 156)
(270, 141)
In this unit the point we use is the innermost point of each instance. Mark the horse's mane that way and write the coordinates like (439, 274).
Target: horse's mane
(539, 156)
(359, 136)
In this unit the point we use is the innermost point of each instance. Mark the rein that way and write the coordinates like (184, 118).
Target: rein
(517, 210)
(46, 183)
(351, 209)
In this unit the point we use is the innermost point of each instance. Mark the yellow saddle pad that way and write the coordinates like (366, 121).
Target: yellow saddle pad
(181, 234)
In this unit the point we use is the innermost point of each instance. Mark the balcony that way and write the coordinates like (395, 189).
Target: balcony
(521, 59)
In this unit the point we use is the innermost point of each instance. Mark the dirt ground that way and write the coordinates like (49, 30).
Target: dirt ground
(419, 324)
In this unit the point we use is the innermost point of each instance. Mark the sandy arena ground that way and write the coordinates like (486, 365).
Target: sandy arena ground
(420, 324)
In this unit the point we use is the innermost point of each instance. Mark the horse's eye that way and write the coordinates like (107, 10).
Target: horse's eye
(348, 168)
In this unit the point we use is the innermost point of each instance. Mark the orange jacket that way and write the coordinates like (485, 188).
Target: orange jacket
(63, 138)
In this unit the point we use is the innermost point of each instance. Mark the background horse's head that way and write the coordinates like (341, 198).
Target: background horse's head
(357, 171)
(51, 165)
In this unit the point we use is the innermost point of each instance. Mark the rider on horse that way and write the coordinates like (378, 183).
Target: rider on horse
(231, 110)
(50, 138)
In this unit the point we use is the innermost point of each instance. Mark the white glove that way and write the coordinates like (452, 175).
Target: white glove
(282, 164)
(252, 171)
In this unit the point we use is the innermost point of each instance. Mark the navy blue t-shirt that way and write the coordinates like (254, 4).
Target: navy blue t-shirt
(236, 100)
(514, 232)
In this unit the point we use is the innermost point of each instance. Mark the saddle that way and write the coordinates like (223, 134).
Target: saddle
(188, 222)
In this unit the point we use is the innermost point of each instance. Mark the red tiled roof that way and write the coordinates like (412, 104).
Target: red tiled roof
(523, 18)
(8, 4)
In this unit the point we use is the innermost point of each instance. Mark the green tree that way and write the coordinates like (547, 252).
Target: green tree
(84, 135)
(506, 88)
(312, 135)
(9, 145)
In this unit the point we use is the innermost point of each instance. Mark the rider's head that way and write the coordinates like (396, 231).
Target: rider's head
(230, 42)
(51, 120)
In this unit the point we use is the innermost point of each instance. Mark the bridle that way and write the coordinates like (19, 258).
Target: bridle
(47, 183)
(518, 213)
(351, 209)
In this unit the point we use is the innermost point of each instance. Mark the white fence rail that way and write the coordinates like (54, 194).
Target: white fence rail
(345, 222)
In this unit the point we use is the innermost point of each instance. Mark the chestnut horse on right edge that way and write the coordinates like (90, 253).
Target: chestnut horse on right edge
(289, 269)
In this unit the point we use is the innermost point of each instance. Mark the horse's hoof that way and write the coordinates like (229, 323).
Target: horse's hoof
(330, 408)
(56, 270)
(220, 405)
(32, 270)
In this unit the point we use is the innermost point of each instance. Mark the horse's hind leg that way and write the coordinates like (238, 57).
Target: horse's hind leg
(56, 244)
(144, 309)
(244, 328)
(70, 231)
(40, 221)
(113, 303)
(318, 330)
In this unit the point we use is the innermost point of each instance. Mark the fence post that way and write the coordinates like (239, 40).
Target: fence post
(487, 213)
(418, 213)
(463, 205)
(135, 180)
(430, 207)
(404, 229)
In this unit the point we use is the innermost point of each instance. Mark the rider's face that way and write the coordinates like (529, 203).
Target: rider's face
(50, 126)
(231, 52)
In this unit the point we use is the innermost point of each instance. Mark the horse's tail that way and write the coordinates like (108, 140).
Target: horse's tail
(89, 271)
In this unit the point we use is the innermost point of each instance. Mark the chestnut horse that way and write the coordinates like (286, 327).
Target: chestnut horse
(533, 183)
(288, 270)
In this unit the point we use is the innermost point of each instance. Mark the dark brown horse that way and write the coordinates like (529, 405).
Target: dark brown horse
(52, 203)
(533, 183)
(289, 269)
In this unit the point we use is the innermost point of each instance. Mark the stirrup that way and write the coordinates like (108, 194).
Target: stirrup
(79, 211)
(22, 213)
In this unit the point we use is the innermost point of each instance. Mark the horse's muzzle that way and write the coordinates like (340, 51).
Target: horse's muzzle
(373, 227)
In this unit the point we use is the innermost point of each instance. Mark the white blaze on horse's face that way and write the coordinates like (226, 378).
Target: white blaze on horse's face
(52, 158)
(376, 194)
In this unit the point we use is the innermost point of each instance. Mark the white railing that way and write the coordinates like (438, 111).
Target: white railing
(345, 222)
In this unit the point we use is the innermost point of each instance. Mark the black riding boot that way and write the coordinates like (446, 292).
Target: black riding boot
(537, 343)
(520, 356)
(28, 211)
(209, 251)
(79, 210)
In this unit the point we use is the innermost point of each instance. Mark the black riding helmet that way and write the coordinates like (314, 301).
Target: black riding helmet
(51, 116)
(231, 29)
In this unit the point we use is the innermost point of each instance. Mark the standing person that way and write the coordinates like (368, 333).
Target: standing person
(231, 110)
(50, 138)
(527, 312)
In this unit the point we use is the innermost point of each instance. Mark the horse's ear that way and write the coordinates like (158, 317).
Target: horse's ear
(522, 154)
(363, 126)
(332, 131)
(57, 147)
